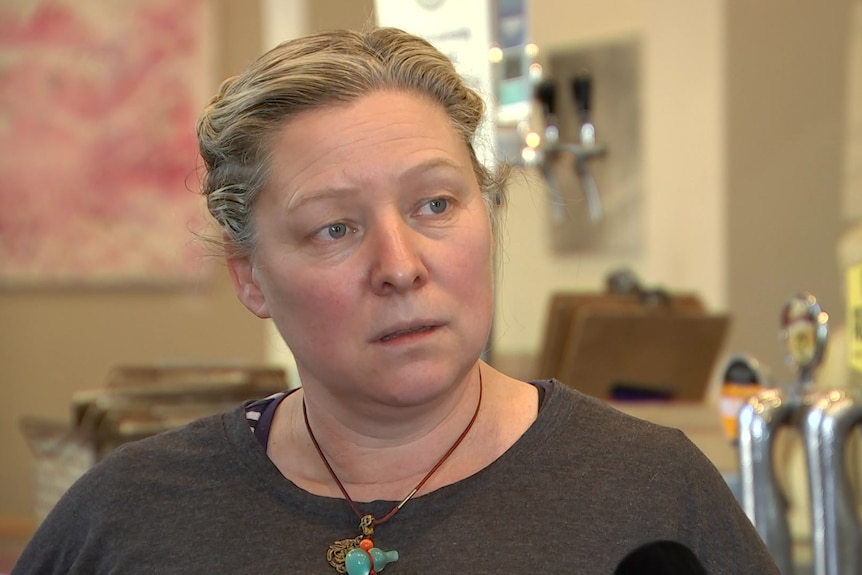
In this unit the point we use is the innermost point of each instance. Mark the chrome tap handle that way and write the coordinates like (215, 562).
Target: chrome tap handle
(582, 91)
(763, 501)
(836, 529)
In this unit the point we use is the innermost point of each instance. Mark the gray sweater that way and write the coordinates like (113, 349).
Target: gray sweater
(581, 488)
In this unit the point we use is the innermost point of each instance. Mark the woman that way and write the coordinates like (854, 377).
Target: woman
(341, 169)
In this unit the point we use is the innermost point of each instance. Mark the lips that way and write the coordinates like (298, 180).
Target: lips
(403, 332)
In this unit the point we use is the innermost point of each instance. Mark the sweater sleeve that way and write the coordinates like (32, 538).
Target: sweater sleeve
(61, 541)
(723, 537)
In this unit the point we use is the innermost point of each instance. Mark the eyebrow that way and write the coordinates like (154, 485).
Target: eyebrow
(429, 166)
(322, 194)
(335, 193)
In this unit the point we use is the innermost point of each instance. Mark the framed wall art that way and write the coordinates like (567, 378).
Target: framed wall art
(99, 163)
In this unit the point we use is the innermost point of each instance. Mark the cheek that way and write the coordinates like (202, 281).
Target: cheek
(309, 305)
(470, 267)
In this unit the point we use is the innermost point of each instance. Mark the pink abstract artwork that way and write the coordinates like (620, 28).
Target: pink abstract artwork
(98, 156)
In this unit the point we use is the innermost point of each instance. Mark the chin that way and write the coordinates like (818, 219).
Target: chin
(419, 386)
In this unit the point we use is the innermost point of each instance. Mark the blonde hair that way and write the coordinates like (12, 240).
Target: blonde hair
(323, 69)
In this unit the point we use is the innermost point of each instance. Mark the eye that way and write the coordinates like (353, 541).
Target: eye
(437, 205)
(332, 232)
(337, 231)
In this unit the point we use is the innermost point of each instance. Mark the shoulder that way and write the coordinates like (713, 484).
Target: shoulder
(133, 468)
(580, 431)
(140, 470)
(573, 412)
(139, 485)
(198, 435)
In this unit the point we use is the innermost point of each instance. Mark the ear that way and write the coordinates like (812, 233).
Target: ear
(245, 283)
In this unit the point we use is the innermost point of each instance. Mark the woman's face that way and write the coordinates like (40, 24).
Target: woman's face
(374, 250)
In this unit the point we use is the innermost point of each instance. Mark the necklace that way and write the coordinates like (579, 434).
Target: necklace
(357, 555)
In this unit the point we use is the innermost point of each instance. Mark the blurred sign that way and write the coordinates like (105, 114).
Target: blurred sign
(460, 29)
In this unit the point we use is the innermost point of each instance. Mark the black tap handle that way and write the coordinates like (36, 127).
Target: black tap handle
(546, 93)
(582, 88)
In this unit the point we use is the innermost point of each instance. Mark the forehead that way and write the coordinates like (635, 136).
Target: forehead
(381, 135)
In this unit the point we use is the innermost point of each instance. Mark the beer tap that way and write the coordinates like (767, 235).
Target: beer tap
(804, 329)
(553, 148)
(582, 93)
(835, 525)
(546, 95)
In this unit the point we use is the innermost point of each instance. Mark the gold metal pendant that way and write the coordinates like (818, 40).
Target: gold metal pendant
(338, 551)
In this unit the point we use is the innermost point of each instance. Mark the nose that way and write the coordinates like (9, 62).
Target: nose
(397, 263)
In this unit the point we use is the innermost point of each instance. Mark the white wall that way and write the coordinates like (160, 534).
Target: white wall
(785, 119)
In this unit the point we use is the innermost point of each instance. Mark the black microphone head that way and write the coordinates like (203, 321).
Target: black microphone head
(661, 558)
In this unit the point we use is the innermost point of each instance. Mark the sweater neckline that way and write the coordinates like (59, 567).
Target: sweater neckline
(262, 473)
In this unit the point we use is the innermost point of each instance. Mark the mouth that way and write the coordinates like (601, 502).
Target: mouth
(406, 332)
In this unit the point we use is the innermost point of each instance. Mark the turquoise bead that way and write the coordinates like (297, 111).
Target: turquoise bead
(382, 558)
(358, 562)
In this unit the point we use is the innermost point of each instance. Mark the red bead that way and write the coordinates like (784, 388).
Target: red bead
(372, 572)
(366, 544)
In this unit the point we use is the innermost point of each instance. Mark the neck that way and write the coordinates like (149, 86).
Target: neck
(386, 457)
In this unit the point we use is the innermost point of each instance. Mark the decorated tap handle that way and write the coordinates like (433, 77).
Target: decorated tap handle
(743, 377)
(804, 329)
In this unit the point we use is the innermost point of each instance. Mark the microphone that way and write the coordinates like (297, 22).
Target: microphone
(661, 558)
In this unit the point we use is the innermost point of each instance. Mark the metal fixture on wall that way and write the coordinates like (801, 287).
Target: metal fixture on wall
(581, 150)
(582, 135)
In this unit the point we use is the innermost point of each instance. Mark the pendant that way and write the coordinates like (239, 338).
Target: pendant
(367, 559)
(337, 552)
(358, 555)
